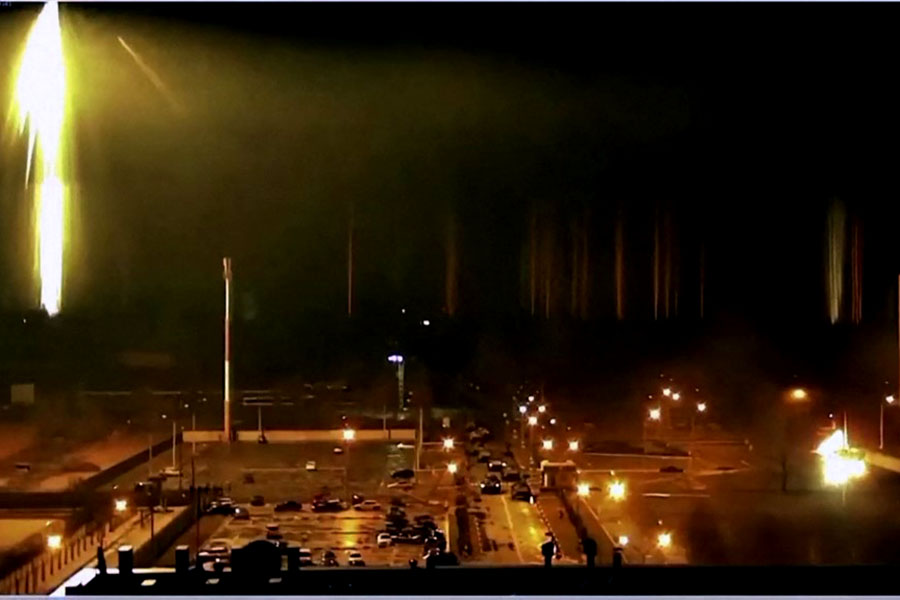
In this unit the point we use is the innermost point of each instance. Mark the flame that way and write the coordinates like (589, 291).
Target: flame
(840, 463)
(40, 95)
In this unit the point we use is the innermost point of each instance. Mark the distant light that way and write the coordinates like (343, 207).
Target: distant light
(701, 407)
(523, 409)
(584, 490)
(667, 391)
(186, 406)
(553, 421)
(623, 540)
(395, 358)
(798, 394)
(403, 310)
(532, 420)
(664, 540)
(163, 416)
(448, 443)
(617, 490)
(548, 444)
(676, 396)
(889, 399)
(542, 408)
(426, 322)
(452, 467)
(655, 414)
(121, 505)
(573, 445)
(349, 434)
(54, 542)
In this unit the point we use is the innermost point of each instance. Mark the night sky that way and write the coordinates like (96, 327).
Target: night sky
(741, 121)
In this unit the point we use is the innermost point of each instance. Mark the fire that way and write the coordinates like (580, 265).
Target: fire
(40, 95)
(840, 462)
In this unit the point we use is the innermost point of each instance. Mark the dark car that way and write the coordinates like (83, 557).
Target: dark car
(258, 501)
(671, 469)
(423, 518)
(496, 466)
(491, 485)
(522, 492)
(403, 474)
(397, 501)
(288, 506)
(329, 559)
(224, 506)
(511, 476)
(241, 513)
(407, 536)
(330, 505)
(484, 456)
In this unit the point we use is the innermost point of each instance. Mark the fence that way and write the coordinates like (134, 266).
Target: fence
(42, 573)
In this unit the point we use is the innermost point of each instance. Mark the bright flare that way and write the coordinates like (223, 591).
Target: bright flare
(584, 489)
(840, 463)
(349, 434)
(832, 444)
(573, 445)
(40, 101)
(548, 444)
(448, 443)
(121, 505)
(701, 407)
(452, 467)
(655, 414)
(617, 490)
(664, 540)
(54, 542)
(623, 540)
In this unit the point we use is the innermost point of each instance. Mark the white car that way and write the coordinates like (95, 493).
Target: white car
(383, 540)
(310, 465)
(403, 446)
(367, 505)
(171, 472)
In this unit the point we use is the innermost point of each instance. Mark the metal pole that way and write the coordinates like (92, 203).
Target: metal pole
(400, 382)
(419, 441)
(150, 455)
(226, 263)
(259, 418)
(194, 428)
(881, 426)
(196, 506)
(174, 436)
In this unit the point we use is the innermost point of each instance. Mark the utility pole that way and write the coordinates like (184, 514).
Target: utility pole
(419, 441)
(226, 263)
(174, 437)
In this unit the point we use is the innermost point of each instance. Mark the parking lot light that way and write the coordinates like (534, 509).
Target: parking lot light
(667, 392)
(452, 468)
(617, 490)
(548, 444)
(54, 542)
(532, 420)
(349, 435)
(623, 540)
(573, 445)
(523, 409)
(531, 398)
(676, 396)
(701, 407)
(121, 505)
(655, 414)
(448, 443)
(542, 409)
(584, 490)
(664, 539)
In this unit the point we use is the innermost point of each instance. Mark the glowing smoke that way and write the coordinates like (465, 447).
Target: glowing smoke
(40, 101)
(834, 275)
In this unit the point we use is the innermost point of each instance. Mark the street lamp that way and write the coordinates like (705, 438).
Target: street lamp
(553, 421)
(542, 409)
(584, 490)
(655, 414)
(452, 468)
(531, 398)
(667, 392)
(448, 443)
(798, 394)
(349, 435)
(548, 444)
(54, 542)
(664, 539)
(889, 400)
(523, 409)
(573, 445)
(532, 420)
(623, 540)
(676, 396)
(121, 505)
(617, 490)
(701, 407)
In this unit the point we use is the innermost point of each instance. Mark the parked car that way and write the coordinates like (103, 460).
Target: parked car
(305, 556)
(367, 505)
(522, 491)
(397, 501)
(511, 475)
(258, 501)
(288, 506)
(403, 474)
(356, 560)
(338, 450)
(484, 456)
(423, 518)
(310, 465)
(329, 505)
(222, 506)
(356, 499)
(408, 536)
(273, 531)
(241, 514)
(671, 469)
(383, 539)
(329, 559)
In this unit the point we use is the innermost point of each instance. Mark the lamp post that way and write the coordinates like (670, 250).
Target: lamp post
(397, 359)
(889, 400)
(348, 436)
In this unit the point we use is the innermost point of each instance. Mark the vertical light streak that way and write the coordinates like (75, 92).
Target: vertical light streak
(667, 249)
(856, 271)
(40, 95)
(835, 260)
(620, 268)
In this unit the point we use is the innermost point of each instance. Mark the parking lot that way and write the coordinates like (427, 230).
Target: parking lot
(340, 532)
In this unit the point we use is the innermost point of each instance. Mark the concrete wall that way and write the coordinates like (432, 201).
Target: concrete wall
(308, 435)
(145, 554)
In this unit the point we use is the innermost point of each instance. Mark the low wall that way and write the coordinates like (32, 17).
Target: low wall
(146, 554)
(119, 469)
(883, 461)
(304, 435)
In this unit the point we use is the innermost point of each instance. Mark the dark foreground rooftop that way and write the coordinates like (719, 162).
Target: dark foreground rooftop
(525, 580)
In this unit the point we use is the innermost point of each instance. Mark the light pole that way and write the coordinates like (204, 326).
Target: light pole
(348, 435)
(397, 359)
(889, 400)
(583, 490)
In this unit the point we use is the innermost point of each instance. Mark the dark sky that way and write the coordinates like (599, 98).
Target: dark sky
(742, 120)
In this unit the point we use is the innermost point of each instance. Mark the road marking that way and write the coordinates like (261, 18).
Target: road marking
(512, 530)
